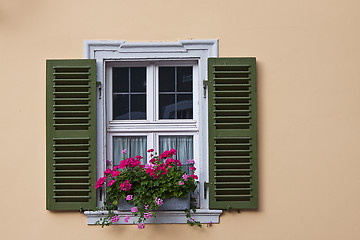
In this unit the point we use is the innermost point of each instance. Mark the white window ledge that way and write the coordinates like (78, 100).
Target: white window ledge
(201, 215)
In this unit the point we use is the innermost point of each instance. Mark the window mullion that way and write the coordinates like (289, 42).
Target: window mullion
(155, 95)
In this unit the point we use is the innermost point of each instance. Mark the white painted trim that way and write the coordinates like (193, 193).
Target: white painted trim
(106, 52)
(201, 215)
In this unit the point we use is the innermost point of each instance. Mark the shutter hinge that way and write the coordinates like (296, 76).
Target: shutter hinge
(98, 85)
(206, 184)
(205, 84)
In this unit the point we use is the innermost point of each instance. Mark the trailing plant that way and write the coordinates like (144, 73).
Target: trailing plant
(146, 186)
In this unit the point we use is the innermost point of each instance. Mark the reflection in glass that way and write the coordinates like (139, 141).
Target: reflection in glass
(184, 79)
(121, 113)
(138, 106)
(167, 106)
(133, 145)
(184, 106)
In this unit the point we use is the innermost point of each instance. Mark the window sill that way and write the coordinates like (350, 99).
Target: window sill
(201, 215)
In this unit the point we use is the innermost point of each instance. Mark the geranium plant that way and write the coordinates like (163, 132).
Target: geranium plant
(146, 186)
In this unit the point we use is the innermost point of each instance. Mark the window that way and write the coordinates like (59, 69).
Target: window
(151, 105)
(152, 95)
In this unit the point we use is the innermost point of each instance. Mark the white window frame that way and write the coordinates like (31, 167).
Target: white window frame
(108, 53)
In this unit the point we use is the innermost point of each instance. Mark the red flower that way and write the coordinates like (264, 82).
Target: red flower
(194, 176)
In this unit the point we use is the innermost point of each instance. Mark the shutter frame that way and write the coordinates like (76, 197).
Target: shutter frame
(70, 134)
(233, 181)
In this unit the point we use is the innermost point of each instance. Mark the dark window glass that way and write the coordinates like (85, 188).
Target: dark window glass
(167, 79)
(184, 79)
(129, 93)
(175, 93)
(138, 79)
(167, 106)
(138, 106)
(121, 113)
(121, 79)
(184, 106)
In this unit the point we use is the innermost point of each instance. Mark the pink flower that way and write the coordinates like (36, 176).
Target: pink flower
(125, 186)
(115, 218)
(100, 182)
(185, 176)
(124, 151)
(146, 207)
(116, 167)
(115, 173)
(129, 197)
(159, 201)
(192, 219)
(194, 176)
(141, 225)
(130, 162)
(150, 150)
(164, 155)
(111, 182)
(181, 183)
(172, 152)
(190, 161)
(193, 168)
(138, 157)
(147, 215)
(108, 163)
(134, 209)
(107, 171)
(171, 160)
(126, 219)
(149, 165)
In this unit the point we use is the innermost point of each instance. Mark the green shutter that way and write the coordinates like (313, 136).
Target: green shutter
(70, 134)
(232, 133)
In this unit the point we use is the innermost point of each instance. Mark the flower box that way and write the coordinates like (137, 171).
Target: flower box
(145, 189)
(169, 204)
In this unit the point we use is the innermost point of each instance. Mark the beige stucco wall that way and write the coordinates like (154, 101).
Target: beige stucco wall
(308, 54)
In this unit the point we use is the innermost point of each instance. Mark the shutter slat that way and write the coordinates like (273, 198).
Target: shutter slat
(71, 134)
(232, 133)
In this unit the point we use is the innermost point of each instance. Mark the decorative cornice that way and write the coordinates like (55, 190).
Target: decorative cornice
(182, 46)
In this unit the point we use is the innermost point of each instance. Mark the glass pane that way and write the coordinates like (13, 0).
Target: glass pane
(133, 145)
(121, 79)
(184, 79)
(167, 79)
(167, 106)
(183, 144)
(120, 106)
(184, 106)
(138, 106)
(138, 79)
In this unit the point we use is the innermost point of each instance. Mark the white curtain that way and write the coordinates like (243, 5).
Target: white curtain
(133, 145)
(183, 144)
